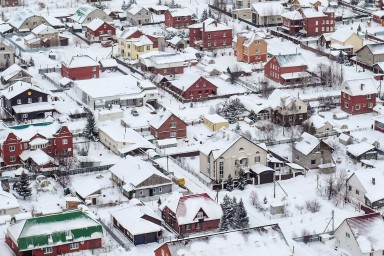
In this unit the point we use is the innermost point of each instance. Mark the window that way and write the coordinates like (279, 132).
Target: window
(172, 134)
(185, 17)
(317, 22)
(357, 107)
(18, 101)
(68, 233)
(349, 188)
(40, 99)
(160, 189)
(200, 215)
(357, 192)
(12, 158)
(313, 161)
(346, 105)
(173, 125)
(370, 105)
(347, 235)
(221, 170)
(369, 96)
(93, 68)
(25, 145)
(65, 141)
(25, 116)
(197, 225)
(141, 192)
(224, 42)
(47, 250)
(154, 190)
(209, 44)
(215, 43)
(225, 35)
(29, 100)
(297, 157)
(74, 246)
(11, 148)
(209, 36)
(257, 159)
(188, 227)
(148, 47)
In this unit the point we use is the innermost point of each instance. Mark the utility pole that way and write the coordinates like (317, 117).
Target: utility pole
(333, 220)
(274, 185)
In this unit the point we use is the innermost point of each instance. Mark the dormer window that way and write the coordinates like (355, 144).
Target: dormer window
(50, 239)
(68, 234)
(200, 215)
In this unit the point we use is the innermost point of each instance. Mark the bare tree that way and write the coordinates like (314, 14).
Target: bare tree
(265, 88)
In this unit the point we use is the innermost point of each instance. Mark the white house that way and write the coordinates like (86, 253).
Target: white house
(121, 140)
(125, 91)
(8, 204)
(320, 124)
(362, 235)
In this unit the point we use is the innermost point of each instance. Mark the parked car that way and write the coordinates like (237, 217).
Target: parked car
(106, 43)
(134, 112)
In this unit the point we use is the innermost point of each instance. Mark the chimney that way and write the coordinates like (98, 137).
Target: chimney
(362, 86)
(373, 181)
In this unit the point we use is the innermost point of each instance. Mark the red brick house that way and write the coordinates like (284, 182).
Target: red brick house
(178, 18)
(210, 34)
(193, 86)
(55, 234)
(250, 47)
(358, 96)
(313, 21)
(288, 68)
(378, 17)
(18, 142)
(167, 125)
(80, 68)
(166, 63)
(99, 30)
(191, 214)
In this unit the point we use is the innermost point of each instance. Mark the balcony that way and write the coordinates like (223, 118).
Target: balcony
(38, 143)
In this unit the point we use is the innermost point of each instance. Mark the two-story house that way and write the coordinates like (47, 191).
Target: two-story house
(25, 101)
(13, 74)
(55, 234)
(361, 235)
(267, 13)
(80, 68)
(209, 35)
(286, 109)
(286, 68)
(167, 125)
(193, 86)
(134, 47)
(7, 56)
(44, 36)
(53, 139)
(370, 54)
(312, 153)
(178, 18)
(203, 213)
(138, 15)
(250, 47)
(226, 153)
(24, 20)
(358, 96)
(86, 13)
(99, 30)
(346, 40)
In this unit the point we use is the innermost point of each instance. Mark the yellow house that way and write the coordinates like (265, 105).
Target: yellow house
(215, 122)
(347, 40)
(134, 47)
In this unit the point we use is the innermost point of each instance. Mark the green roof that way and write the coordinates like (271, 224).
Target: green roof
(24, 126)
(35, 232)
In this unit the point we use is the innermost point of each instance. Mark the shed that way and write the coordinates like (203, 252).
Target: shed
(215, 122)
(167, 143)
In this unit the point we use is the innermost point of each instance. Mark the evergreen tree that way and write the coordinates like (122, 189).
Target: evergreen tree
(252, 115)
(23, 186)
(265, 200)
(31, 62)
(241, 219)
(90, 130)
(227, 217)
(229, 183)
(359, 28)
(159, 2)
(241, 180)
(210, 15)
(204, 15)
(340, 57)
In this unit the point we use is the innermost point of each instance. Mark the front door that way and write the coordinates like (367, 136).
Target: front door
(150, 192)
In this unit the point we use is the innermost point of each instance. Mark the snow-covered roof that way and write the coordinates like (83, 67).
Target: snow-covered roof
(184, 81)
(18, 88)
(134, 9)
(117, 86)
(374, 192)
(280, 98)
(175, 40)
(108, 63)
(134, 171)
(259, 168)
(132, 139)
(33, 107)
(80, 61)
(180, 12)
(290, 60)
(44, 30)
(128, 32)
(292, 15)
(313, 13)
(157, 121)
(20, 16)
(317, 121)
(140, 41)
(268, 8)
(38, 156)
(166, 59)
(357, 87)
(138, 222)
(11, 72)
(211, 25)
(376, 49)
(95, 24)
(306, 143)
(367, 230)
(8, 201)
(187, 207)
(82, 13)
(378, 13)
(342, 34)
(249, 36)
(359, 148)
(215, 118)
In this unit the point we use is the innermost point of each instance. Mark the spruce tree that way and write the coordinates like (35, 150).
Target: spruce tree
(252, 115)
(227, 217)
(204, 15)
(241, 180)
(210, 15)
(229, 183)
(90, 128)
(23, 187)
(241, 219)
(233, 211)
(340, 57)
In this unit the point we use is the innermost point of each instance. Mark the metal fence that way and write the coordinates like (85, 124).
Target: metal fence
(311, 238)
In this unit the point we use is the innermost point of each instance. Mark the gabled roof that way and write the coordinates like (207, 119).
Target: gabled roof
(318, 121)
(268, 8)
(375, 191)
(211, 25)
(157, 121)
(292, 15)
(187, 207)
(358, 87)
(12, 71)
(290, 60)
(95, 24)
(33, 233)
(306, 143)
(249, 36)
(180, 12)
(129, 32)
(8, 201)
(280, 98)
(134, 9)
(312, 13)
(375, 49)
(133, 171)
(82, 13)
(18, 88)
(359, 148)
(38, 156)
(80, 61)
(342, 34)
(137, 223)
(367, 230)
(44, 30)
